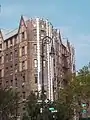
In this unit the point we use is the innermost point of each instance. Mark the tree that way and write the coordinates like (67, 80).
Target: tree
(8, 99)
(25, 117)
(32, 107)
(74, 94)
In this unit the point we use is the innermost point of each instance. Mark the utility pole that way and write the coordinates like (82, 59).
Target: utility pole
(45, 40)
(42, 74)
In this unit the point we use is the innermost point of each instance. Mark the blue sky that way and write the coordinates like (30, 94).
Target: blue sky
(71, 16)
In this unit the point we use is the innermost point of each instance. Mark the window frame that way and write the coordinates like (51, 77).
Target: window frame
(35, 63)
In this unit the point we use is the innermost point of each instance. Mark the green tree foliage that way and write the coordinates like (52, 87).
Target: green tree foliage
(32, 107)
(8, 100)
(72, 96)
(25, 117)
(70, 99)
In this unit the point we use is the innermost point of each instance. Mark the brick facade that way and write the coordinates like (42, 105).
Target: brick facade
(20, 58)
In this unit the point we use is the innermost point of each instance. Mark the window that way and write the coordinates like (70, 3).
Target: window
(16, 68)
(16, 53)
(11, 56)
(23, 78)
(23, 64)
(0, 46)
(34, 34)
(6, 57)
(15, 40)
(11, 66)
(11, 82)
(7, 83)
(42, 26)
(23, 108)
(54, 62)
(15, 79)
(11, 41)
(35, 63)
(23, 35)
(23, 50)
(35, 79)
(0, 60)
(35, 48)
(64, 82)
(42, 35)
(0, 73)
(16, 82)
(16, 65)
(6, 68)
(23, 95)
(44, 62)
(34, 25)
(0, 84)
(6, 44)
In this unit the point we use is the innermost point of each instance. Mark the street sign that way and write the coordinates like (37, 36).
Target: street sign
(83, 104)
(84, 111)
(51, 109)
(54, 111)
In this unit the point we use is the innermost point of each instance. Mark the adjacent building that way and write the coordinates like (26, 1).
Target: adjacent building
(20, 58)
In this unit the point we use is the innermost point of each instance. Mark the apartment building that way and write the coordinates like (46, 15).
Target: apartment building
(20, 58)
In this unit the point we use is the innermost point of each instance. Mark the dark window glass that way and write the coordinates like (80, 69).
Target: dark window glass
(23, 95)
(23, 35)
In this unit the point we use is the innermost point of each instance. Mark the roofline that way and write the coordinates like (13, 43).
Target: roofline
(6, 37)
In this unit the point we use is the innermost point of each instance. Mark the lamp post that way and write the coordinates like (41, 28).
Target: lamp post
(45, 40)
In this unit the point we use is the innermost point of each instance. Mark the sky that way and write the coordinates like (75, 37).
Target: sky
(72, 17)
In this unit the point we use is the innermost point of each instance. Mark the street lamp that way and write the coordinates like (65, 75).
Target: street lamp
(45, 40)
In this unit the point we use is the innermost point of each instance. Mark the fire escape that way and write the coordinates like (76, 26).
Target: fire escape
(65, 67)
